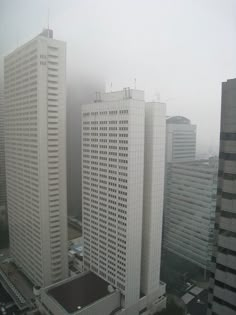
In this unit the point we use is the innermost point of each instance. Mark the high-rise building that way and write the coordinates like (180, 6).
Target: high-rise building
(190, 210)
(153, 194)
(222, 291)
(112, 193)
(3, 205)
(180, 139)
(35, 147)
(123, 193)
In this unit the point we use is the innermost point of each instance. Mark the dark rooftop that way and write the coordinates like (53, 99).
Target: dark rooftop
(198, 308)
(80, 291)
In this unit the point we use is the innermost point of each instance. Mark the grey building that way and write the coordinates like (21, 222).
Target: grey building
(3, 204)
(222, 292)
(190, 210)
(180, 139)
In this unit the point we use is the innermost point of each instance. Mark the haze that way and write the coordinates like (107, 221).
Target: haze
(179, 51)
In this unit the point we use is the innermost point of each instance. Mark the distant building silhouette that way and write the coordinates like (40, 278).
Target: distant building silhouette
(180, 139)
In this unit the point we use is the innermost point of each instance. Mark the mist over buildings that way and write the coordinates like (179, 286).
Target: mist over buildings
(179, 52)
(75, 98)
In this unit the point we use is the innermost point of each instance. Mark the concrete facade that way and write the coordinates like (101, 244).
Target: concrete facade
(123, 192)
(154, 169)
(3, 202)
(222, 291)
(190, 210)
(35, 146)
(112, 194)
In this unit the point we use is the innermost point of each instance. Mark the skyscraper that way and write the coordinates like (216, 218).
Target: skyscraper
(222, 292)
(180, 139)
(112, 193)
(35, 146)
(3, 205)
(123, 193)
(153, 194)
(190, 210)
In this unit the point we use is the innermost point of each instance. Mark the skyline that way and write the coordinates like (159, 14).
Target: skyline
(170, 54)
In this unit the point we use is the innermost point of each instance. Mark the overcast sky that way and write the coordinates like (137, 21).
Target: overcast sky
(178, 50)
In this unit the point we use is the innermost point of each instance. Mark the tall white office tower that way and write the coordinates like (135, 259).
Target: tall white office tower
(117, 221)
(154, 169)
(35, 146)
(112, 191)
(180, 139)
(222, 291)
(3, 205)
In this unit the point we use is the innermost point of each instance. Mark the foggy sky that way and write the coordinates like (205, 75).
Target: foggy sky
(179, 51)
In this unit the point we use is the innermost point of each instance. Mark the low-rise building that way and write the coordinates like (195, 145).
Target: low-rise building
(75, 256)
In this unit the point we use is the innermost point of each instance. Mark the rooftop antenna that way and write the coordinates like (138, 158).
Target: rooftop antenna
(135, 83)
(111, 87)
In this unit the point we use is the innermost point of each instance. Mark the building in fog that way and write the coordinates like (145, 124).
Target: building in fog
(112, 195)
(114, 165)
(3, 204)
(80, 90)
(123, 156)
(180, 139)
(35, 147)
(190, 210)
(222, 291)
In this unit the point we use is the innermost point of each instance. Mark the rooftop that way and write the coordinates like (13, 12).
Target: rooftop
(178, 120)
(198, 305)
(79, 292)
(196, 301)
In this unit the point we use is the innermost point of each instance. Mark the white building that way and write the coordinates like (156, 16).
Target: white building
(180, 139)
(35, 146)
(154, 170)
(123, 193)
(190, 210)
(222, 291)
